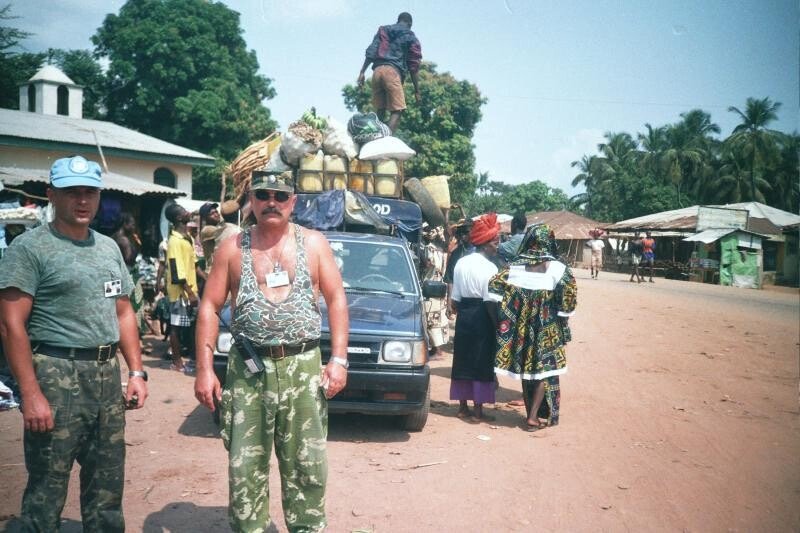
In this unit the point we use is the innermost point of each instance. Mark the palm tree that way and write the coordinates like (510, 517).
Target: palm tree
(586, 177)
(733, 180)
(653, 144)
(752, 137)
(786, 184)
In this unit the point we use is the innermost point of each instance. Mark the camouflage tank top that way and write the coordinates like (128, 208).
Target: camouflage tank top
(293, 321)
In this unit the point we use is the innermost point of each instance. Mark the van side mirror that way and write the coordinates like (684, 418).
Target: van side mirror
(434, 289)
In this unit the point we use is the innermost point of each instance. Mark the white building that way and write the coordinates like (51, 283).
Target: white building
(50, 125)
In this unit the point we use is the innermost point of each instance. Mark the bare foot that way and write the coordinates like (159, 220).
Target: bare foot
(463, 413)
(516, 403)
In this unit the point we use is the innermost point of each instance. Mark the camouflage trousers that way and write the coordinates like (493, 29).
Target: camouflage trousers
(282, 406)
(86, 401)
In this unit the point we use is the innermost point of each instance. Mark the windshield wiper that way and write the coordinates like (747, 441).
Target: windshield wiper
(370, 289)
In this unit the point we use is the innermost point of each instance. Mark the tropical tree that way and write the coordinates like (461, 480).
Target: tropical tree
(583, 201)
(653, 145)
(732, 184)
(439, 128)
(785, 193)
(753, 139)
(15, 67)
(180, 70)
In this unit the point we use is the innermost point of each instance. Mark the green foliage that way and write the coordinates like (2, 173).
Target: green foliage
(15, 68)
(503, 198)
(439, 128)
(180, 71)
(681, 164)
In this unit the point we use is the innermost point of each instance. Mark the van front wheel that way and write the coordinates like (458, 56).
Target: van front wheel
(416, 421)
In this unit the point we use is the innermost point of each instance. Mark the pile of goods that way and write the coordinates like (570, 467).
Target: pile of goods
(325, 155)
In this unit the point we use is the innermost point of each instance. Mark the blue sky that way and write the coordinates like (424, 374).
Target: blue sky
(557, 75)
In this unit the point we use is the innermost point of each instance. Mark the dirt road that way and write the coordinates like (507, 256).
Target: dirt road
(679, 413)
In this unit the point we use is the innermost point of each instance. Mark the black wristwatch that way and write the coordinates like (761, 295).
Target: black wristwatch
(138, 374)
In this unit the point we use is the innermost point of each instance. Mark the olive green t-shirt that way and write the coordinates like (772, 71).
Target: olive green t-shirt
(69, 281)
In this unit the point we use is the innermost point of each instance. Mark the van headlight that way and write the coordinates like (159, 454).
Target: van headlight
(224, 342)
(404, 352)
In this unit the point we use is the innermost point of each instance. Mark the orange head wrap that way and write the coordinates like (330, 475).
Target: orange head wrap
(484, 229)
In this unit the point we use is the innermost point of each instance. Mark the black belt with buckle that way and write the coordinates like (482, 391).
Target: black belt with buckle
(101, 354)
(280, 351)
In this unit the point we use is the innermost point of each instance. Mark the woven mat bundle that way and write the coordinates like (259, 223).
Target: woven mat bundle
(253, 157)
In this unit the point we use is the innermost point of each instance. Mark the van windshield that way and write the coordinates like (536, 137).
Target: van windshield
(373, 266)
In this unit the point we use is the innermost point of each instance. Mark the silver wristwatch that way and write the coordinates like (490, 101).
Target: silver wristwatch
(138, 374)
(341, 361)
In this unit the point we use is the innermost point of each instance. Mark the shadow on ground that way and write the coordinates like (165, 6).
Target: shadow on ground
(199, 423)
(186, 517)
(365, 428)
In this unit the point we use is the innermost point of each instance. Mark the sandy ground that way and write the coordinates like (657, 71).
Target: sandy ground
(679, 413)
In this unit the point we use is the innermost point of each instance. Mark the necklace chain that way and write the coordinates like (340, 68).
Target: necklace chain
(276, 265)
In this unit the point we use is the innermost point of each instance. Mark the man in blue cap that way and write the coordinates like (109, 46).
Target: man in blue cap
(64, 311)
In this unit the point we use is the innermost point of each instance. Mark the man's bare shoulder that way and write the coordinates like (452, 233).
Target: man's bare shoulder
(230, 247)
(314, 238)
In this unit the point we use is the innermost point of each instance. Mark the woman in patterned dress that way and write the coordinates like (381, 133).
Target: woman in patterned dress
(538, 295)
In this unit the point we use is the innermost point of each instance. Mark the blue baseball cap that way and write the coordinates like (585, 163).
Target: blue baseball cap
(75, 172)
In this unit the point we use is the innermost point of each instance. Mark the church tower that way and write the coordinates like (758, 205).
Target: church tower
(51, 92)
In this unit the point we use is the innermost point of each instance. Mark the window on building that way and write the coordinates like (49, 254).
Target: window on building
(164, 176)
(31, 98)
(63, 100)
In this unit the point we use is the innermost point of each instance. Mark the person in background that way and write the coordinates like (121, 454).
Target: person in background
(130, 244)
(463, 247)
(472, 376)
(649, 253)
(275, 393)
(181, 282)
(394, 52)
(597, 245)
(128, 239)
(508, 249)
(636, 248)
(214, 231)
(64, 312)
(537, 295)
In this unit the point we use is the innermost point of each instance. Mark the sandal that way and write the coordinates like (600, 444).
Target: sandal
(527, 426)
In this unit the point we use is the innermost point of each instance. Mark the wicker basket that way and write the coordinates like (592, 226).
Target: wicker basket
(254, 156)
(438, 189)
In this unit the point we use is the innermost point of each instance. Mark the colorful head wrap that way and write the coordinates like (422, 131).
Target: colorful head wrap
(538, 245)
(484, 229)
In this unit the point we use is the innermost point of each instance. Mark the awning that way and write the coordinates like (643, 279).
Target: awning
(709, 235)
(747, 239)
(111, 181)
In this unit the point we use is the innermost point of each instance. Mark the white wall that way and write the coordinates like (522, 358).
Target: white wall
(133, 168)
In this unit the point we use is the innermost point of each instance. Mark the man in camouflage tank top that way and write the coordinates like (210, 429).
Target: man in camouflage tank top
(274, 273)
(64, 310)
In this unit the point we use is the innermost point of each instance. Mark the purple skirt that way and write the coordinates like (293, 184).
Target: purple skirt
(477, 391)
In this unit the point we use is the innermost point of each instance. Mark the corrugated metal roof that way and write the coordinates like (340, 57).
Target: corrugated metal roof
(763, 219)
(111, 181)
(777, 217)
(709, 235)
(565, 224)
(61, 129)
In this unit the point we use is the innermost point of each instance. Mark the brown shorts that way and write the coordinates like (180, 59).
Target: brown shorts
(387, 89)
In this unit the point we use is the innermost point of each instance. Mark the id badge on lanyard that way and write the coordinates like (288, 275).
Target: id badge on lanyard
(277, 279)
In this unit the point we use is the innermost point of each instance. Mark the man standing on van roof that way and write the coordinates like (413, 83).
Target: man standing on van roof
(395, 51)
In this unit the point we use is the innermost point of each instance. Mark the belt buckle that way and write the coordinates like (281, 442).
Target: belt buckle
(282, 352)
(104, 353)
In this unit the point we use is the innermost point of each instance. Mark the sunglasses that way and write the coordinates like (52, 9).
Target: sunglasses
(278, 196)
